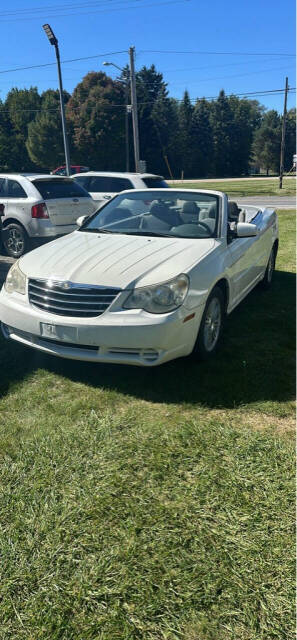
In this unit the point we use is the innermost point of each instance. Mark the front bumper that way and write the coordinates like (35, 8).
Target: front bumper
(122, 337)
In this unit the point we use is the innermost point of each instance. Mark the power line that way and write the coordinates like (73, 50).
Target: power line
(236, 75)
(70, 11)
(114, 106)
(51, 64)
(217, 53)
(47, 8)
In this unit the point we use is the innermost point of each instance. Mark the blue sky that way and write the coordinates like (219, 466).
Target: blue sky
(207, 43)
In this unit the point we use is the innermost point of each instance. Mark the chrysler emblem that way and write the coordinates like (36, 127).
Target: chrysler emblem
(56, 283)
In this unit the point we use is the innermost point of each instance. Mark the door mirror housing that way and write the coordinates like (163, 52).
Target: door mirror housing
(245, 230)
(80, 221)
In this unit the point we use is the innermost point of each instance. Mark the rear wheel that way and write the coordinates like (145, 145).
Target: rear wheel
(267, 280)
(15, 240)
(211, 326)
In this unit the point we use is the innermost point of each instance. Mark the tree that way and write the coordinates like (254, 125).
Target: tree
(246, 116)
(221, 119)
(22, 106)
(154, 112)
(96, 112)
(6, 157)
(45, 138)
(290, 139)
(267, 139)
(186, 110)
(202, 140)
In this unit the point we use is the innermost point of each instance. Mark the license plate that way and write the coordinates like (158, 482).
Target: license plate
(58, 332)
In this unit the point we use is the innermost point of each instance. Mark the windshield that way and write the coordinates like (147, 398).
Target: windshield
(159, 213)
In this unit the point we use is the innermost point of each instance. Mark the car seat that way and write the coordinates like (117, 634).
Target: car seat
(159, 218)
(190, 212)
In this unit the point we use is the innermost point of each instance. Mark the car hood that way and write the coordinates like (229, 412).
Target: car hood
(114, 260)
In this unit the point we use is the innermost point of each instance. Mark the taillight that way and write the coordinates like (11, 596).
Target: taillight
(39, 211)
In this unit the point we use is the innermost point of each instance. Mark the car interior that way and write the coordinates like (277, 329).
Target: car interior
(179, 217)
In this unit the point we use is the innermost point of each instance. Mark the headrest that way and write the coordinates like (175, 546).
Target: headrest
(212, 211)
(190, 208)
(233, 210)
(159, 210)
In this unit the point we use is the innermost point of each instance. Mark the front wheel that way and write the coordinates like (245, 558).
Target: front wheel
(267, 280)
(15, 240)
(211, 326)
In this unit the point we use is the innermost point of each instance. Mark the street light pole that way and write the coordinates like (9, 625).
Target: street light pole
(53, 41)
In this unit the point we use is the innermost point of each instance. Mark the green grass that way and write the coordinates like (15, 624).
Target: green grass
(243, 188)
(154, 504)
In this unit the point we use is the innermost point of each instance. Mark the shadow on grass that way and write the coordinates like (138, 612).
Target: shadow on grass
(256, 361)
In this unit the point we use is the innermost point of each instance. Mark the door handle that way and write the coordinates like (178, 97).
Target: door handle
(106, 197)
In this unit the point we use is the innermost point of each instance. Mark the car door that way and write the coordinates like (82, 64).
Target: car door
(16, 199)
(103, 188)
(99, 188)
(243, 268)
(3, 194)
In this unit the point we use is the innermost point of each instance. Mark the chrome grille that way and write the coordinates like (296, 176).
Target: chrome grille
(70, 299)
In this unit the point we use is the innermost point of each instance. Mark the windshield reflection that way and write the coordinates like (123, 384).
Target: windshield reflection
(158, 213)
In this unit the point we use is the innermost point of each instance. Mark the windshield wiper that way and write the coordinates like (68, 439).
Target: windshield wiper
(97, 230)
(148, 233)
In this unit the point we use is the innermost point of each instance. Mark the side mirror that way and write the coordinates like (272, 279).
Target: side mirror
(81, 220)
(245, 230)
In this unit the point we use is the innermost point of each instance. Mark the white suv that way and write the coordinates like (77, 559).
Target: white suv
(39, 206)
(103, 185)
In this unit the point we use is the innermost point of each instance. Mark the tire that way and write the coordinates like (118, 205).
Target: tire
(211, 326)
(268, 276)
(15, 240)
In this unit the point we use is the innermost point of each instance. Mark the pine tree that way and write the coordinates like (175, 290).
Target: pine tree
(290, 139)
(186, 110)
(22, 106)
(222, 122)
(96, 112)
(45, 139)
(267, 140)
(153, 117)
(202, 140)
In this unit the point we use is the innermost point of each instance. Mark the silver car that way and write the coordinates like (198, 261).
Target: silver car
(39, 207)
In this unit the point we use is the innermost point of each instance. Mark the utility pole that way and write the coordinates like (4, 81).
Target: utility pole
(127, 122)
(134, 109)
(54, 41)
(282, 152)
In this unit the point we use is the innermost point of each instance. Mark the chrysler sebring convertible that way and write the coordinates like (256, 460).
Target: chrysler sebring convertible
(148, 278)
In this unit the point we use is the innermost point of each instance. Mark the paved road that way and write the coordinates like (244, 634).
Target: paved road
(5, 264)
(276, 202)
(230, 179)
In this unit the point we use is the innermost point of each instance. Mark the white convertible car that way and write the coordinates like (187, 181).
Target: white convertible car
(148, 278)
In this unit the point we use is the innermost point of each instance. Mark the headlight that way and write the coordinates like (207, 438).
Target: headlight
(160, 298)
(15, 280)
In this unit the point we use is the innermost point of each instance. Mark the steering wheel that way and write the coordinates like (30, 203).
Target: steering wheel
(203, 224)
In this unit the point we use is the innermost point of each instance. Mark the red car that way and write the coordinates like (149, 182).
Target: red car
(61, 171)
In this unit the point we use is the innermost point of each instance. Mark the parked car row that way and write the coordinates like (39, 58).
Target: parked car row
(41, 207)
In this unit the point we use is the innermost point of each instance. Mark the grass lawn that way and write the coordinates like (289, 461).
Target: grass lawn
(154, 504)
(241, 188)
